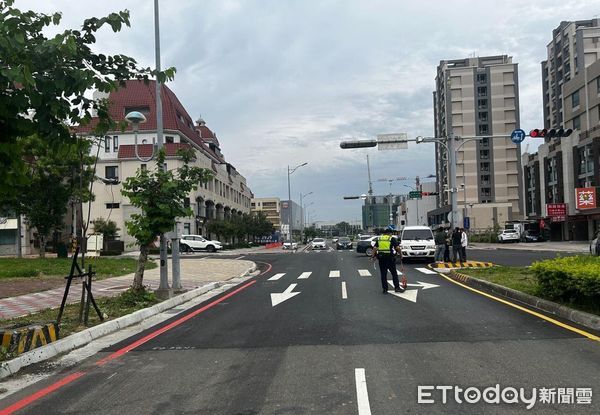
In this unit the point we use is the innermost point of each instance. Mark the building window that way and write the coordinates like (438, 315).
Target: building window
(484, 166)
(485, 142)
(485, 179)
(483, 116)
(112, 205)
(186, 202)
(111, 172)
(107, 144)
(483, 129)
(482, 103)
(187, 229)
(576, 123)
(598, 85)
(482, 91)
(575, 99)
(169, 139)
(486, 191)
(115, 143)
(481, 78)
(484, 154)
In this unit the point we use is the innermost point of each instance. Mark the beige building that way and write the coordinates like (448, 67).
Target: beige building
(227, 194)
(271, 207)
(574, 45)
(479, 97)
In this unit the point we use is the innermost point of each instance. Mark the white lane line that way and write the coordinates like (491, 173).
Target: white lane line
(364, 272)
(344, 292)
(362, 395)
(334, 274)
(304, 275)
(276, 277)
(240, 257)
(426, 271)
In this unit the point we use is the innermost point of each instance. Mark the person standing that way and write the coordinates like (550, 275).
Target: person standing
(457, 244)
(440, 244)
(386, 248)
(447, 245)
(464, 242)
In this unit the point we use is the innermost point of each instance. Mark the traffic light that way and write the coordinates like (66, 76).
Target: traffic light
(429, 193)
(553, 132)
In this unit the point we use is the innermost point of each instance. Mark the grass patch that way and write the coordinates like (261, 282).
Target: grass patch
(60, 267)
(523, 279)
(114, 307)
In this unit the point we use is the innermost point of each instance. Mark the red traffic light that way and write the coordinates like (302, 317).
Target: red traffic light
(538, 133)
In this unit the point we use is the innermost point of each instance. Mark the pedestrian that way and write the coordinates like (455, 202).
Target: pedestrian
(386, 249)
(464, 242)
(447, 246)
(457, 244)
(440, 244)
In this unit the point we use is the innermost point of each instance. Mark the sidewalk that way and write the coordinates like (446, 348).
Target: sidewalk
(194, 273)
(580, 247)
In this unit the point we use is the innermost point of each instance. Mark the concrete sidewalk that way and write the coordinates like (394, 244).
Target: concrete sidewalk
(194, 273)
(581, 247)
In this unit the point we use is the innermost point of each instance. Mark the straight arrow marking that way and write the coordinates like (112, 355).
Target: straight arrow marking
(277, 298)
(304, 275)
(276, 277)
(423, 285)
(334, 274)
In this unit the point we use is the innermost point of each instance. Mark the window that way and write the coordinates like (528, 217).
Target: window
(481, 78)
(187, 228)
(483, 116)
(484, 154)
(486, 191)
(112, 205)
(115, 143)
(186, 202)
(111, 172)
(485, 142)
(107, 144)
(576, 123)
(169, 139)
(575, 99)
(482, 103)
(143, 167)
(482, 91)
(484, 166)
(485, 179)
(483, 129)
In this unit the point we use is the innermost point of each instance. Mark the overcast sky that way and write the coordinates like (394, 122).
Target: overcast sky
(282, 82)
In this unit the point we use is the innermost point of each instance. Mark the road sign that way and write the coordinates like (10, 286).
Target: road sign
(415, 194)
(397, 141)
(467, 222)
(557, 211)
(518, 136)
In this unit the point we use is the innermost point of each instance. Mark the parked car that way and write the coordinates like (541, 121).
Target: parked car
(532, 237)
(508, 235)
(335, 239)
(344, 243)
(417, 242)
(318, 243)
(290, 245)
(595, 245)
(365, 246)
(191, 243)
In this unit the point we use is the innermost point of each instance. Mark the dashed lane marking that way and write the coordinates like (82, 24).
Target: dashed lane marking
(344, 291)
(304, 275)
(364, 272)
(276, 276)
(334, 274)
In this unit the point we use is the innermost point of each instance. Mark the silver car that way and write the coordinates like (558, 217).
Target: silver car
(318, 243)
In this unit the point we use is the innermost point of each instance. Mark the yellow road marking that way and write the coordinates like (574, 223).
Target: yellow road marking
(534, 313)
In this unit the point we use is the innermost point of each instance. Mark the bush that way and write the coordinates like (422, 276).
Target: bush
(572, 279)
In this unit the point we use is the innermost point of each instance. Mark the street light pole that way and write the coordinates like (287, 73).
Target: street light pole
(291, 218)
(302, 217)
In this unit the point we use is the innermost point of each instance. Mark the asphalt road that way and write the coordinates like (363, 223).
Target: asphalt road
(338, 346)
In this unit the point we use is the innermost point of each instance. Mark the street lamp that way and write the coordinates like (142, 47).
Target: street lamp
(302, 218)
(291, 219)
(135, 118)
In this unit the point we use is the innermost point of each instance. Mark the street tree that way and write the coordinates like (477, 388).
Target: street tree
(160, 196)
(45, 80)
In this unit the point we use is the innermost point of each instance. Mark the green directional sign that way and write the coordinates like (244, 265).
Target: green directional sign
(415, 194)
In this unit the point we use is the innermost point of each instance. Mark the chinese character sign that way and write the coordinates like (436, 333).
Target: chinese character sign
(557, 211)
(585, 197)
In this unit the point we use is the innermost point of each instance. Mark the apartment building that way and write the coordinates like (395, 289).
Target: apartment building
(479, 96)
(226, 195)
(271, 207)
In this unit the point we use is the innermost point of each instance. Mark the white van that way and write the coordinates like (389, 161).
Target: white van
(417, 242)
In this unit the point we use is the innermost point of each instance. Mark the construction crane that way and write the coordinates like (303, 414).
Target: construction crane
(369, 171)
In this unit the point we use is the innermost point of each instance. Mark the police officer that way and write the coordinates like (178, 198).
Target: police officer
(385, 249)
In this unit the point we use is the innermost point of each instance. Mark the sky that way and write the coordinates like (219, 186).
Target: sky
(282, 82)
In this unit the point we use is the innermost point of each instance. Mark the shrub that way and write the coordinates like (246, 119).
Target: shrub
(571, 279)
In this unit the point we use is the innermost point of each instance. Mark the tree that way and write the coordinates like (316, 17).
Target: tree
(107, 228)
(44, 82)
(160, 195)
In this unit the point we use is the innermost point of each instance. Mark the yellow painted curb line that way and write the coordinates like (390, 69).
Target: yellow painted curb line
(534, 313)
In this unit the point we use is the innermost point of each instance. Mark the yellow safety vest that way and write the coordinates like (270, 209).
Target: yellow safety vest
(384, 244)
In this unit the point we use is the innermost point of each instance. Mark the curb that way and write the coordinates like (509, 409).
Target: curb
(84, 337)
(579, 317)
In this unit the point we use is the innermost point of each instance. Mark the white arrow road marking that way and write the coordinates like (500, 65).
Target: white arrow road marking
(276, 277)
(304, 275)
(362, 395)
(277, 298)
(410, 295)
(424, 285)
(334, 274)
(426, 271)
(364, 272)
(344, 292)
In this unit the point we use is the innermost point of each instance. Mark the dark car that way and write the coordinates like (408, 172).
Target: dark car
(344, 243)
(595, 245)
(533, 237)
(365, 246)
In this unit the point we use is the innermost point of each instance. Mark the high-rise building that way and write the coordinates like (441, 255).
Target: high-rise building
(574, 45)
(479, 96)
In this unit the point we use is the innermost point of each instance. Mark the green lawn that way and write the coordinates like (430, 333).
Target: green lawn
(60, 267)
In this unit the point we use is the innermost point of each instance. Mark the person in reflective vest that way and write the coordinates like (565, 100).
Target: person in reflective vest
(386, 249)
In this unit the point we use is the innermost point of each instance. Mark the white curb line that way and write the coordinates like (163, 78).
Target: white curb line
(84, 337)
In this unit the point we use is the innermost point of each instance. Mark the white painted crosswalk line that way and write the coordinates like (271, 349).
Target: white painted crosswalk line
(334, 274)
(276, 277)
(344, 291)
(304, 275)
(426, 271)
(364, 272)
